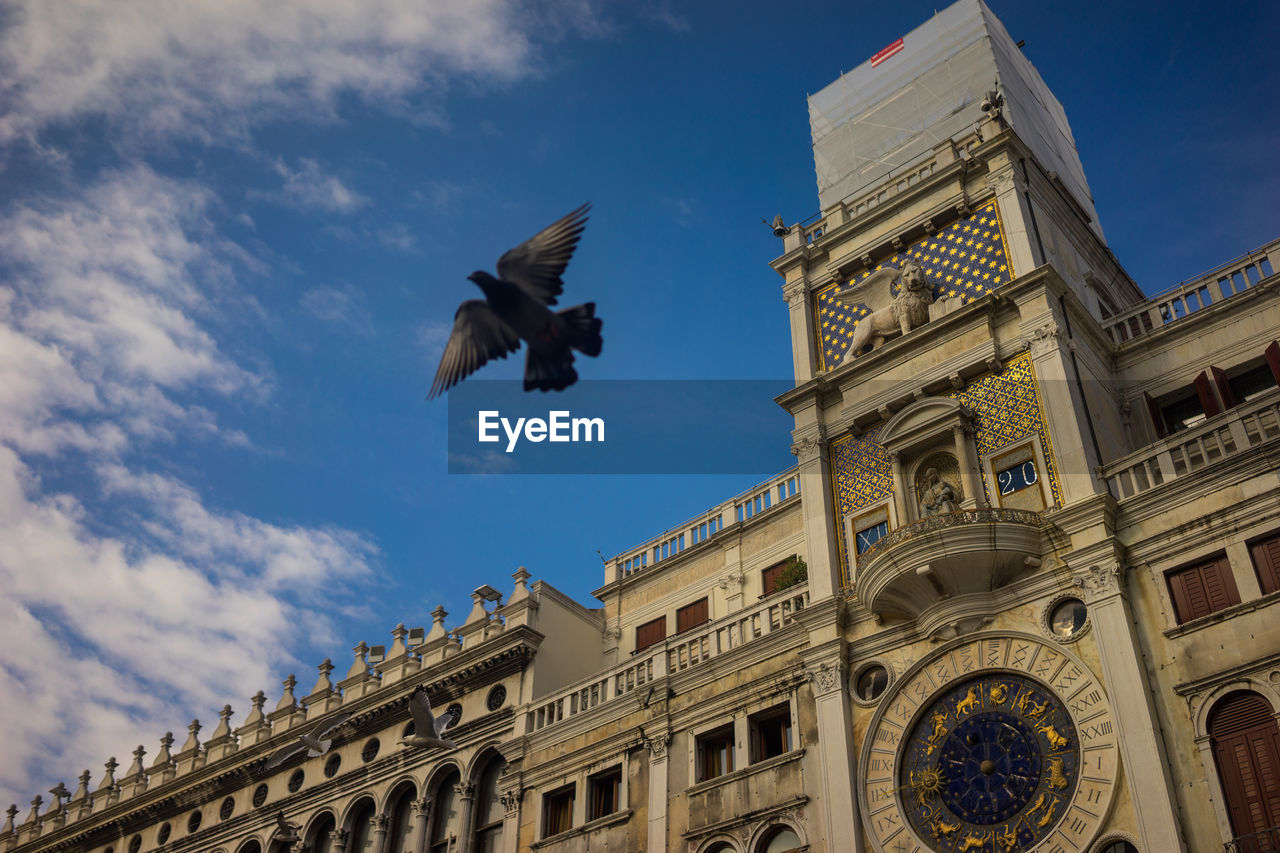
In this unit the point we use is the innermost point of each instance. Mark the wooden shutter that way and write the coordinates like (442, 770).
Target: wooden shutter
(1224, 388)
(1246, 748)
(1272, 352)
(770, 577)
(650, 633)
(1266, 560)
(1157, 417)
(691, 616)
(1203, 589)
(1204, 390)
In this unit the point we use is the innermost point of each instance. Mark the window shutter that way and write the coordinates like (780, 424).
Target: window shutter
(1157, 418)
(691, 616)
(1224, 388)
(1266, 560)
(1219, 585)
(1205, 392)
(650, 633)
(1200, 590)
(1272, 353)
(770, 577)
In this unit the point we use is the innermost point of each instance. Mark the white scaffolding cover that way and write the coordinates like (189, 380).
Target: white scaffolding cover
(877, 119)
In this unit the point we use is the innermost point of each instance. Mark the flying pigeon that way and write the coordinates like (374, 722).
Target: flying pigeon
(287, 833)
(427, 728)
(515, 308)
(309, 742)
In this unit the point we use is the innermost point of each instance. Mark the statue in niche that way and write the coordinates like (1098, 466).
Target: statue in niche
(890, 315)
(937, 496)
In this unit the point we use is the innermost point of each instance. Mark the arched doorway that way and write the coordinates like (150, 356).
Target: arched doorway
(360, 839)
(399, 838)
(488, 809)
(1246, 748)
(443, 834)
(320, 835)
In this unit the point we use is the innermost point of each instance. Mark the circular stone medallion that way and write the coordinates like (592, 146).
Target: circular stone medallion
(991, 744)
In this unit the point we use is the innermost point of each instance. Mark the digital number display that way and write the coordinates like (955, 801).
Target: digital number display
(1018, 477)
(870, 536)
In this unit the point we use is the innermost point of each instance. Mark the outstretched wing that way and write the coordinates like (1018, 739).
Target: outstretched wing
(478, 335)
(875, 291)
(330, 725)
(285, 753)
(535, 266)
(445, 721)
(424, 725)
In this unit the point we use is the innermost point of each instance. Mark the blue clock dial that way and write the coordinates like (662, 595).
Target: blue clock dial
(989, 765)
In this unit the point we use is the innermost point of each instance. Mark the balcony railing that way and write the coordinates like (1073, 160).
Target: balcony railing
(766, 496)
(1233, 432)
(1189, 297)
(1265, 841)
(674, 654)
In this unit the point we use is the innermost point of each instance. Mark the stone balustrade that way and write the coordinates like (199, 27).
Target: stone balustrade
(674, 654)
(1238, 430)
(1185, 299)
(768, 495)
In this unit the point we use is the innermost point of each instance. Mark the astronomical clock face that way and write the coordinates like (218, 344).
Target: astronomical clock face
(996, 744)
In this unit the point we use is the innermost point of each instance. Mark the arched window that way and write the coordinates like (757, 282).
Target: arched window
(780, 840)
(444, 814)
(488, 809)
(320, 836)
(1246, 748)
(250, 847)
(361, 838)
(399, 839)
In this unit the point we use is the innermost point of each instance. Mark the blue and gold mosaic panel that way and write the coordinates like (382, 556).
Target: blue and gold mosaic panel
(1006, 408)
(969, 258)
(862, 477)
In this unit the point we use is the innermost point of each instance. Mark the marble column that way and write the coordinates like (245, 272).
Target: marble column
(835, 752)
(657, 835)
(421, 823)
(466, 808)
(818, 502)
(380, 824)
(511, 820)
(1145, 769)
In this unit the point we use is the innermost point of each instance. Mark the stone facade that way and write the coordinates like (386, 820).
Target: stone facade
(1034, 611)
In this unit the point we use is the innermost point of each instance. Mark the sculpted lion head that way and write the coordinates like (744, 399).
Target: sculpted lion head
(913, 277)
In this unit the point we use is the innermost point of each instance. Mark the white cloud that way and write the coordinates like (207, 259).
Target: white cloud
(309, 187)
(338, 307)
(209, 68)
(126, 595)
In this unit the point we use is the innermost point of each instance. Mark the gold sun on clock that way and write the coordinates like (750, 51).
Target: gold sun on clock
(995, 744)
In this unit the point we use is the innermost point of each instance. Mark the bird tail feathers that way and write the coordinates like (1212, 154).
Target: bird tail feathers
(554, 373)
(585, 328)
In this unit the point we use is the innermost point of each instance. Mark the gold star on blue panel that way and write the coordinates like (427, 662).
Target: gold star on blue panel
(965, 259)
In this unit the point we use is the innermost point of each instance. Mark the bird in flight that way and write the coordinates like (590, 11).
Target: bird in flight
(286, 832)
(516, 307)
(427, 728)
(309, 742)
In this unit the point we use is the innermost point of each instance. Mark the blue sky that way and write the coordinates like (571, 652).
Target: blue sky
(233, 236)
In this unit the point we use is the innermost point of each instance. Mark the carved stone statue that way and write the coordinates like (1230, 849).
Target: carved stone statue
(937, 496)
(890, 315)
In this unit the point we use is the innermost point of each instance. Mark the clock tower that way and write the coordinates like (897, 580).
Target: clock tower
(953, 411)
